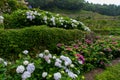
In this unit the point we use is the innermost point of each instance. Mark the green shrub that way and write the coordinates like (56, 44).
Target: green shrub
(12, 42)
(22, 18)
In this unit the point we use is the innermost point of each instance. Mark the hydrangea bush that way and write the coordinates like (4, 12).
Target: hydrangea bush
(97, 53)
(43, 66)
(21, 18)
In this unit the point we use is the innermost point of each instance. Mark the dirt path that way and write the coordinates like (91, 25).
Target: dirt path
(90, 75)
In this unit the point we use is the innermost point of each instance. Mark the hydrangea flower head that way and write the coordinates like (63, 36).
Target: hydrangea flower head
(44, 74)
(26, 62)
(25, 52)
(26, 75)
(20, 69)
(30, 68)
(57, 76)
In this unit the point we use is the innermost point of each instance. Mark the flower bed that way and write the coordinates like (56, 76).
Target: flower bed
(43, 66)
(96, 53)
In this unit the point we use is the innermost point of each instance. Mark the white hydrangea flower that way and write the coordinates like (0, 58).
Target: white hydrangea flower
(80, 62)
(75, 21)
(26, 75)
(65, 26)
(35, 13)
(66, 63)
(25, 52)
(41, 55)
(66, 59)
(67, 70)
(62, 57)
(1, 19)
(58, 64)
(50, 55)
(58, 60)
(57, 76)
(30, 68)
(46, 12)
(54, 57)
(20, 69)
(5, 63)
(31, 14)
(46, 58)
(44, 74)
(49, 61)
(26, 62)
(45, 18)
(87, 29)
(61, 23)
(46, 51)
(73, 24)
(52, 19)
(1, 60)
(72, 75)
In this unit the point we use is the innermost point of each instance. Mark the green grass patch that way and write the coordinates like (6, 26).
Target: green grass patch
(111, 73)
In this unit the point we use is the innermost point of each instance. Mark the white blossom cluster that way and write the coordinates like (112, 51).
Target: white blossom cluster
(63, 62)
(2, 61)
(48, 18)
(67, 62)
(85, 27)
(1, 19)
(46, 55)
(25, 52)
(57, 76)
(31, 14)
(26, 71)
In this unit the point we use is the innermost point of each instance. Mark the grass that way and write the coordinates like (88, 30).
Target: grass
(111, 73)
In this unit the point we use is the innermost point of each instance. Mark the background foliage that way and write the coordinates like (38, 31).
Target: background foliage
(112, 10)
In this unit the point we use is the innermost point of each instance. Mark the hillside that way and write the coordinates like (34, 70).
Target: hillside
(95, 21)
(83, 14)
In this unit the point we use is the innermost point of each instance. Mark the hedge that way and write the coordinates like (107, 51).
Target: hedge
(13, 41)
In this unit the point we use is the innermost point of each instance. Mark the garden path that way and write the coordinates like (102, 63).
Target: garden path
(90, 75)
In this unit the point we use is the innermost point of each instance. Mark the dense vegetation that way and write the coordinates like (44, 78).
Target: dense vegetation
(27, 35)
(112, 10)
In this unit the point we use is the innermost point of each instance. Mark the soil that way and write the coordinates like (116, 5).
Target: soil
(90, 75)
